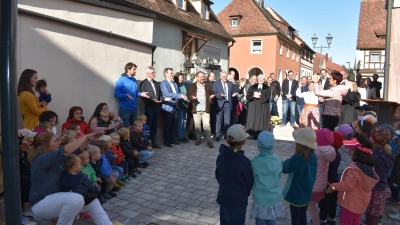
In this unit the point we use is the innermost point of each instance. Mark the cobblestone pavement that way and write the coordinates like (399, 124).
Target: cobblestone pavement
(179, 187)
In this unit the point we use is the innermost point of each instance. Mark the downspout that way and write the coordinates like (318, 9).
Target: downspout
(229, 53)
(389, 6)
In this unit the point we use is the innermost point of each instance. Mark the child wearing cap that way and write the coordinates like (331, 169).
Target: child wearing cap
(382, 155)
(358, 179)
(328, 205)
(301, 169)
(267, 189)
(325, 153)
(235, 177)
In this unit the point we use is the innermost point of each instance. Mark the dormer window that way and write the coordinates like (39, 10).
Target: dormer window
(234, 22)
(206, 12)
(181, 4)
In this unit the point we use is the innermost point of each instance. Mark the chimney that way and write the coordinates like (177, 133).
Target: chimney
(261, 3)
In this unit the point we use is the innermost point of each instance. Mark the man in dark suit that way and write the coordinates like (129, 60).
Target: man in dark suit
(324, 80)
(276, 86)
(223, 90)
(171, 95)
(289, 87)
(377, 85)
(152, 105)
(242, 92)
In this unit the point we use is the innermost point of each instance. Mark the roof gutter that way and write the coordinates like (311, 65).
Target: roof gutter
(84, 27)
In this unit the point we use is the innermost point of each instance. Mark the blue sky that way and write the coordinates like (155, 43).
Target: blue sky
(338, 17)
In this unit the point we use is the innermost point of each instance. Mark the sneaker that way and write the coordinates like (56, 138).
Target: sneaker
(132, 175)
(142, 165)
(26, 221)
(137, 171)
(121, 182)
(107, 196)
(112, 194)
(395, 216)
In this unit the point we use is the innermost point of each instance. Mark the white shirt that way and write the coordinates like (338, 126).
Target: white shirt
(225, 87)
(172, 86)
(323, 82)
(152, 84)
(290, 86)
(309, 97)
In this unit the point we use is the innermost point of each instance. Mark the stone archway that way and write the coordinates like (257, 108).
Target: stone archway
(237, 75)
(255, 71)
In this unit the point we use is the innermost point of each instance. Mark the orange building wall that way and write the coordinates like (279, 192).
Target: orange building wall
(287, 63)
(269, 61)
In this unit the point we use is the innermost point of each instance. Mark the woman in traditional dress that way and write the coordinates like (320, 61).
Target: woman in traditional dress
(258, 115)
(310, 115)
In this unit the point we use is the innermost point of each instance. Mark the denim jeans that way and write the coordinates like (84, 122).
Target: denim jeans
(119, 171)
(128, 116)
(299, 215)
(145, 155)
(265, 222)
(230, 216)
(320, 108)
(274, 108)
(181, 121)
(299, 109)
(291, 105)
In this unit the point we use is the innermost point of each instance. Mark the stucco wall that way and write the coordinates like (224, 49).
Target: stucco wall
(126, 24)
(81, 67)
(168, 39)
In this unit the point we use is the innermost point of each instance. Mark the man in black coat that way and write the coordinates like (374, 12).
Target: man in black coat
(152, 105)
(289, 87)
(276, 86)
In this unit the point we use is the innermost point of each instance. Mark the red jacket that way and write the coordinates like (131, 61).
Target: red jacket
(355, 189)
(118, 151)
(84, 126)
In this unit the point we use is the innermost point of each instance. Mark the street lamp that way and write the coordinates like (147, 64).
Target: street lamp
(328, 40)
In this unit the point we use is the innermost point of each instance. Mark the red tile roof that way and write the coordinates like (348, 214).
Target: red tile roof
(372, 23)
(189, 17)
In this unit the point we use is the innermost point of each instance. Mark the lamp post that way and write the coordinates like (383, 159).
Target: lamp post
(328, 40)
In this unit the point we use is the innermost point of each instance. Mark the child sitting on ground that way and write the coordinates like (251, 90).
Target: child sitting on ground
(131, 155)
(302, 170)
(41, 92)
(120, 161)
(267, 188)
(73, 180)
(88, 169)
(235, 177)
(146, 129)
(358, 179)
(75, 127)
(116, 119)
(137, 141)
(104, 121)
(103, 168)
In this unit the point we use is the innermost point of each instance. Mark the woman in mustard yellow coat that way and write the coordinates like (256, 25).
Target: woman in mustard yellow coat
(27, 100)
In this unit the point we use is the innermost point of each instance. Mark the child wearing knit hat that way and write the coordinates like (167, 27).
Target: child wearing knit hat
(325, 154)
(301, 169)
(327, 206)
(381, 152)
(267, 189)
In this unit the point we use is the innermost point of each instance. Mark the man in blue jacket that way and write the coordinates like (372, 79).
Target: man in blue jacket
(126, 91)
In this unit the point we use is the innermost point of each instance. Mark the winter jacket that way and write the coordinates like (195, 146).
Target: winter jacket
(300, 182)
(355, 189)
(118, 151)
(325, 154)
(82, 124)
(396, 141)
(110, 156)
(333, 168)
(78, 183)
(30, 109)
(235, 178)
(137, 141)
(193, 92)
(127, 85)
(88, 170)
(126, 147)
(267, 171)
(345, 158)
(105, 168)
(45, 97)
(333, 98)
(383, 163)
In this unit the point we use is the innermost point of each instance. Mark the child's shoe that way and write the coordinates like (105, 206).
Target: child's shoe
(84, 215)
(137, 171)
(132, 175)
(121, 182)
(112, 194)
(106, 196)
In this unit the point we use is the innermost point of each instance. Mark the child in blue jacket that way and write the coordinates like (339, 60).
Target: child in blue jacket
(42, 92)
(302, 170)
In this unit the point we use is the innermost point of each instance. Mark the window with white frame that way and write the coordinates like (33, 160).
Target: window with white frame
(287, 51)
(256, 46)
(180, 4)
(375, 57)
(293, 51)
(280, 47)
(234, 22)
(205, 12)
(297, 56)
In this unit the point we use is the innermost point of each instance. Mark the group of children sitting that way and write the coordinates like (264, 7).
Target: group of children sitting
(349, 167)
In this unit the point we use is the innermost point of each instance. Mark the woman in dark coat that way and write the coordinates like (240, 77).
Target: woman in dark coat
(258, 114)
(348, 111)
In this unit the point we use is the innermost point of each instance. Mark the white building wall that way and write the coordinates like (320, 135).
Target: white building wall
(80, 66)
(117, 22)
(168, 39)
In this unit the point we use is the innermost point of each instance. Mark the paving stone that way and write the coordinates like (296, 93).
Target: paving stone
(207, 219)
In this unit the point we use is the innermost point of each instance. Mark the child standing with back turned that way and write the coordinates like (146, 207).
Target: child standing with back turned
(302, 170)
(235, 177)
(267, 188)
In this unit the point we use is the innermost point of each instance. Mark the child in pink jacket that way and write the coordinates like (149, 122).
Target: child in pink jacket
(358, 180)
(325, 154)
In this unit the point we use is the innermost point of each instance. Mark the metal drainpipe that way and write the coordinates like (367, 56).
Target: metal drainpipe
(389, 6)
(8, 42)
(229, 53)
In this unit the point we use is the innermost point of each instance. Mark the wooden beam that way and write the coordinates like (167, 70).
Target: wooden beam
(184, 47)
(202, 46)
